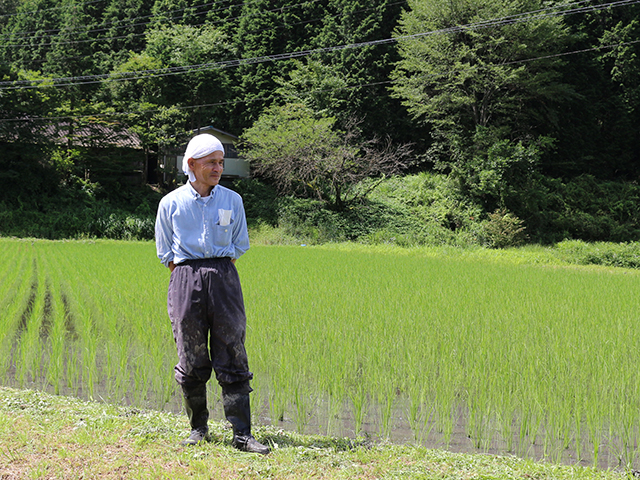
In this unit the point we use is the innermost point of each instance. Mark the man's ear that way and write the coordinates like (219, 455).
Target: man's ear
(191, 162)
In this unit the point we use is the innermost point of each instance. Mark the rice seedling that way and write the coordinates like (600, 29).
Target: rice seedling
(534, 360)
(15, 290)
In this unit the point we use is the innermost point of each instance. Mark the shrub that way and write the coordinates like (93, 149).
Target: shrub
(625, 254)
(123, 226)
(503, 229)
(260, 201)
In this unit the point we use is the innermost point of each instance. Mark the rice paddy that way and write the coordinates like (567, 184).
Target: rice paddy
(466, 354)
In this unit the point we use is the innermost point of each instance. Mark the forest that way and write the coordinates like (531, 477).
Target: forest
(494, 122)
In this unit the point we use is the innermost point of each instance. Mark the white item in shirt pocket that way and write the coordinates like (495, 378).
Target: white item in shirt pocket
(222, 235)
(224, 217)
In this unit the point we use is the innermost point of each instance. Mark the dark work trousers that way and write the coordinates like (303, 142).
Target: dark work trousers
(207, 315)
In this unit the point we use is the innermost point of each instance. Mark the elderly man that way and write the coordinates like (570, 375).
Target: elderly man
(201, 230)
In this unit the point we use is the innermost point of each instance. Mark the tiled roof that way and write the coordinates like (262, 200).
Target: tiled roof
(96, 135)
(92, 135)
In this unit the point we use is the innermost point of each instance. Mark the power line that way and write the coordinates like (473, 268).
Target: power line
(136, 75)
(273, 97)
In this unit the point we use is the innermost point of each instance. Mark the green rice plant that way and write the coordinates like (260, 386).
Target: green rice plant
(385, 397)
(28, 365)
(358, 396)
(521, 356)
(85, 352)
(335, 405)
(14, 297)
(56, 342)
(303, 403)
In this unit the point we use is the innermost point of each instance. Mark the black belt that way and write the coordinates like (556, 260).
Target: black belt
(197, 260)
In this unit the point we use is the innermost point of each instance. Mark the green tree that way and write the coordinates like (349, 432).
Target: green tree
(261, 28)
(317, 85)
(28, 32)
(7, 9)
(302, 152)
(598, 130)
(204, 89)
(149, 115)
(163, 93)
(365, 70)
(119, 30)
(182, 12)
(480, 85)
(69, 49)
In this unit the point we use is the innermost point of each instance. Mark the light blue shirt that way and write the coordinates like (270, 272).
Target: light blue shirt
(189, 227)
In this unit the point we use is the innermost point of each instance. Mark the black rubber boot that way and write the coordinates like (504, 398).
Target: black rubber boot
(195, 403)
(237, 409)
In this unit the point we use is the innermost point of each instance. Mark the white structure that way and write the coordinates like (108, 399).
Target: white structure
(170, 161)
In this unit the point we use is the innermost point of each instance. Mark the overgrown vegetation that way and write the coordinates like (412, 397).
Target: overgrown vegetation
(426, 209)
(524, 108)
(430, 209)
(55, 199)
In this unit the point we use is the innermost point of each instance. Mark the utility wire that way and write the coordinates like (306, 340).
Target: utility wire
(304, 94)
(136, 75)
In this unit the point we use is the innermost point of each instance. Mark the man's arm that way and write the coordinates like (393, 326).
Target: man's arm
(240, 236)
(164, 235)
(171, 266)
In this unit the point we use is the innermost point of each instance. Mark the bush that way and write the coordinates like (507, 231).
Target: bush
(503, 229)
(70, 218)
(626, 254)
(123, 226)
(407, 211)
(260, 201)
(588, 209)
(311, 221)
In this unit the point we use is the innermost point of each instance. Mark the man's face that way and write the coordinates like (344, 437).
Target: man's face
(208, 170)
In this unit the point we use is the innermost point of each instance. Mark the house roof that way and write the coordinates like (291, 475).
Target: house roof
(221, 132)
(97, 135)
(92, 135)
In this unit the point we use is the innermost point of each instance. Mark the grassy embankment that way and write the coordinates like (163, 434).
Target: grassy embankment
(56, 437)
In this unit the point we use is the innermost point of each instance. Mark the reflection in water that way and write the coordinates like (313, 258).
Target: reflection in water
(323, 419)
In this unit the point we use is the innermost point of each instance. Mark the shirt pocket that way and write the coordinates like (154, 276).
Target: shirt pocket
(222, 234)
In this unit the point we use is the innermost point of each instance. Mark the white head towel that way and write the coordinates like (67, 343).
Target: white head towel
(199, 146)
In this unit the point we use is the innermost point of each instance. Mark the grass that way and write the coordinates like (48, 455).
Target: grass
(55, 437)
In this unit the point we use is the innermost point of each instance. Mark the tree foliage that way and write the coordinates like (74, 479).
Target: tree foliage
(300, 151)
(509, 97)
(478, 77)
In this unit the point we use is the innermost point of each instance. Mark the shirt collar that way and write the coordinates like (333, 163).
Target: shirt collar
(196, 195)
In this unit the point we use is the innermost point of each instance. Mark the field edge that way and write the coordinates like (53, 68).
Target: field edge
(48, 436)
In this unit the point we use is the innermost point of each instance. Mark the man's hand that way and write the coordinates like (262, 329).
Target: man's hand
(171, 266)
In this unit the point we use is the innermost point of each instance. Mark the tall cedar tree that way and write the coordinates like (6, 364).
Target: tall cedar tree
(267, 27)
(120, 31)
(366, 69)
